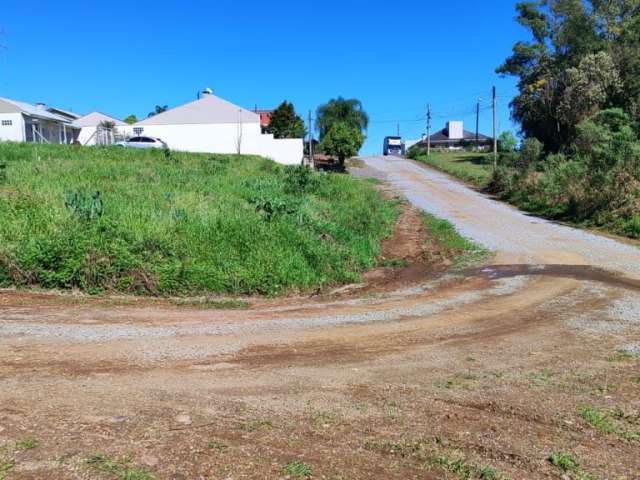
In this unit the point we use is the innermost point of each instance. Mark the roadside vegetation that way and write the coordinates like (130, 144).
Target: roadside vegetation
(445, 234)
(472, 167)
(167, 223)
(579, 110)
(578, 107)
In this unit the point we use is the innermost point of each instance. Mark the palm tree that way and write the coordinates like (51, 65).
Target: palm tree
(159, 109)
(341, 110)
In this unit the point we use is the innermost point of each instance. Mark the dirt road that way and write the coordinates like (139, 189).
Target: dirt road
(483, 373)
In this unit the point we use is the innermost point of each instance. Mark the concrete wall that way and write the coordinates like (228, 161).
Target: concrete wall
(224, 138)
(14, 132)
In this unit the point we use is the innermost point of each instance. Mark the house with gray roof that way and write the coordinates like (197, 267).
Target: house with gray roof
(454, 136)
(213, 125)
(24, 122)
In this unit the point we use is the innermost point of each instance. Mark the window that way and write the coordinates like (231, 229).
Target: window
(7, 123)
(138, 130)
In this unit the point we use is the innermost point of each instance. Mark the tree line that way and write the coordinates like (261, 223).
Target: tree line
(578, 107)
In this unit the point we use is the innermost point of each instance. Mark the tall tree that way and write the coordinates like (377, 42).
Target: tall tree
(341, 110)
(584, 55)
(131, 119)
(285, 123)
(342, 141)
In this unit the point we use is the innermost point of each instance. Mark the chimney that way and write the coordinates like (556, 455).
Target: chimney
(206, 92)
(41, 106)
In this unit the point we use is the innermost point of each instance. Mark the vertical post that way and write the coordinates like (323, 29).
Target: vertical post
(310, 141)
(398, 129)
(478, 124)
(428, 129)
(495, 137)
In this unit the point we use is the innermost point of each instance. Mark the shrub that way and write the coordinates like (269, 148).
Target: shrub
(300, 179)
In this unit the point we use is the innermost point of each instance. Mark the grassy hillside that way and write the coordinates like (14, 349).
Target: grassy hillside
(472, 167)
(180, 223)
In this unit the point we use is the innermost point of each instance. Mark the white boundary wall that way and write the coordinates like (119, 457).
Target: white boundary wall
(224, 138)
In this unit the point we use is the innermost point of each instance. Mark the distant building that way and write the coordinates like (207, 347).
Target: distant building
(24, 122)
(93, 131)
(213, 125)
(453, 136)
(265, 118)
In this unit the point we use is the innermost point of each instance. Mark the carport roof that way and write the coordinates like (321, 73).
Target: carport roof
(32, 110)
(94, 119)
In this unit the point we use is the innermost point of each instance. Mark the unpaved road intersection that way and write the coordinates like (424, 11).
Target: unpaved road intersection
(488, 370)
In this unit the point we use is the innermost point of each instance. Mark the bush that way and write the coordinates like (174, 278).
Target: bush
(595, 181)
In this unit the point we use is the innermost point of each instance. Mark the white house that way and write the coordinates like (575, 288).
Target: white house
(23, 122)
(92, 131)
(213, 125)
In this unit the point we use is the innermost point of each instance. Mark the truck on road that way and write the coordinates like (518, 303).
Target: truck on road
(393, 146)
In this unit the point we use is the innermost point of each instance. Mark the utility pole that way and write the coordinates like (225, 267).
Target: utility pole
(478, 124)
(310, 140)
(398, 129)
(495, 138)
(428, 129)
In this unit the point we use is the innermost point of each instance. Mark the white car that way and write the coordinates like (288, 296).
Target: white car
(143, 142)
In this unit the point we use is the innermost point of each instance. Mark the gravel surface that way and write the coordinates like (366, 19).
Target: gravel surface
(496, 225)
(14, 325)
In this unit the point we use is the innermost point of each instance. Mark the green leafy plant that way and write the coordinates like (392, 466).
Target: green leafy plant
(83, 206)
(297, 468)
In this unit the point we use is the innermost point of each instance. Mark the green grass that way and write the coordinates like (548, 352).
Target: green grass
(609, 422)
(298, 469)
(444, 233)
(5, 467)
(434, 454)
(27, 444)
(122, 470)
(181, 224)
(568, 464)
(471, 167)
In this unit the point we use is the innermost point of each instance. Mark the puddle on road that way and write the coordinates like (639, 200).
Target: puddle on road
(577, 272)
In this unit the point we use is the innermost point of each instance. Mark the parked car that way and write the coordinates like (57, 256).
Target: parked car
(143, 142)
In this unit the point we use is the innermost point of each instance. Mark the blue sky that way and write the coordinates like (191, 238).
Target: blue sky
(126, 57)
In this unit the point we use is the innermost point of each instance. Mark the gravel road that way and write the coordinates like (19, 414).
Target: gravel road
(499, 226)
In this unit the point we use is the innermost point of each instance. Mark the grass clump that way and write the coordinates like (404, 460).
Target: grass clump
(122, 470)
(298, 469)
(609, 422)
(5, 467)
(27, 444)
(435, 454)
(123, 220)
(446, 235)
(568, 464)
